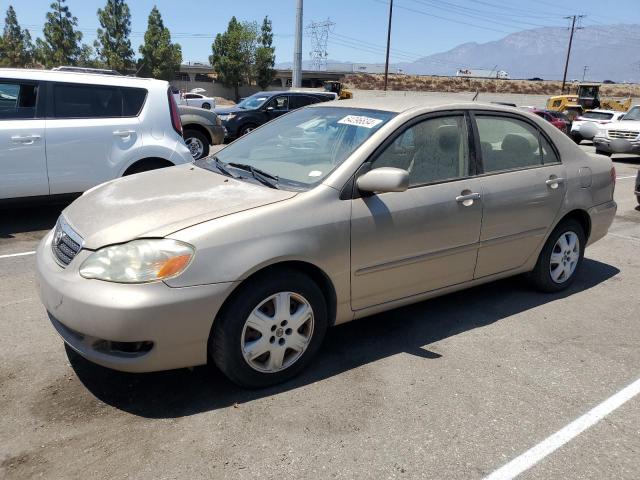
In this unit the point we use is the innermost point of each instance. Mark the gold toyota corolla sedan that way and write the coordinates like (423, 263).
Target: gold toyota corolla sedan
(325, 215)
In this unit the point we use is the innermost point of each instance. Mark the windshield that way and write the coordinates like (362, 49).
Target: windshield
(254, 101)
(597, 115)
(300, 149)
(633, 114)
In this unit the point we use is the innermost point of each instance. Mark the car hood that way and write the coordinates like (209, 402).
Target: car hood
(160, 202)
(227, 110)
(633, 125)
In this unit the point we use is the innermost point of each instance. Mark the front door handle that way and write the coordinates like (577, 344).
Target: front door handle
(554, 182)
(468, 198)
(124, 133)
(25, 139)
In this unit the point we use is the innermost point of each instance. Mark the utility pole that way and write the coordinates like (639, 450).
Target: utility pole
(386, 62)
(296, 74)
(584, 72)
(573, 19)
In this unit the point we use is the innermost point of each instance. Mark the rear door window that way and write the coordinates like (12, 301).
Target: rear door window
(299, 101)
(18, 100)
(508, 144)
(279, 103)
(96, 101)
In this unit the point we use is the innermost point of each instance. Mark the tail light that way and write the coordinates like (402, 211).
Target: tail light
(176, 123)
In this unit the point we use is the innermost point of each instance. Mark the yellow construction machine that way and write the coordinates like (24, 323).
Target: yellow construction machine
(586, 98)
(336, 87)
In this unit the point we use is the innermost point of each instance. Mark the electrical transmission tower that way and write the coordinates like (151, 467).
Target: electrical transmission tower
(319, 34)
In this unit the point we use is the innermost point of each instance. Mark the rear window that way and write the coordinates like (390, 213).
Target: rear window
(597, 115)
(96, 101)
(17, 100)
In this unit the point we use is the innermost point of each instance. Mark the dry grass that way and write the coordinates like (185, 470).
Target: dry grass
(421, 83)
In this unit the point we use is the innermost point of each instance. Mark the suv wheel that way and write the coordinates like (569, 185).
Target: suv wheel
(560, 257)
(197, 143)
(270, 330)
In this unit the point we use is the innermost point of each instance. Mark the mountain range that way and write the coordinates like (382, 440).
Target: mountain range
(611, 52)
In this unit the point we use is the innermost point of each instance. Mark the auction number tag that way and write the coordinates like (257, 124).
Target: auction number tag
(360, 121)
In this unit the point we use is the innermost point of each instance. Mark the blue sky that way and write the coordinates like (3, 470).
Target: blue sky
(420, 27)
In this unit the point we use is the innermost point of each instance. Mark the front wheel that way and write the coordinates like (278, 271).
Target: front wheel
(246, 129)
(602, 152)
(270, 330)
(206, 106)
(560, 257)
(576, 138)
(197, 143)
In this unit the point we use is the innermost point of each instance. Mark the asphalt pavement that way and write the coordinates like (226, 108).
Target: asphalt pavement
(451, 388)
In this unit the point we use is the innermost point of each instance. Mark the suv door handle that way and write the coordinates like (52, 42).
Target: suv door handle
(467, 197)
(124, 133)
(25, 139)
(554, 182)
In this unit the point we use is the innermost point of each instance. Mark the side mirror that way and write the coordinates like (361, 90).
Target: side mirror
(269, 109)
(384, 179)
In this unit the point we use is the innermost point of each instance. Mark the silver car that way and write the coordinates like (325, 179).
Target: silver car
(328, 214)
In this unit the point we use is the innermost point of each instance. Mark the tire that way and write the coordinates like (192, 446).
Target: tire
(206, 106)
(542, 275)
(232, 335)
(197, 143)
(638, 199)
(576, 138)
(602, 152)
(246, 129)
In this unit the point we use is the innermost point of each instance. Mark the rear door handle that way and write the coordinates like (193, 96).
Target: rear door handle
(25, 139)
(554, 182)
(467, 197)
(124, 133)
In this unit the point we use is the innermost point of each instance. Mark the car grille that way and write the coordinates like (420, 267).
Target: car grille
(66, 243)
(626, 134)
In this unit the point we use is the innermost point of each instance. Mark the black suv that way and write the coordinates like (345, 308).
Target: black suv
(261, 107)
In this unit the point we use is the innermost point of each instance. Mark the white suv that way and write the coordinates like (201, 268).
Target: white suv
(63, 132)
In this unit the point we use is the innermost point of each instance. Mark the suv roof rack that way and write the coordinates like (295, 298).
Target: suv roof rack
(99, 71)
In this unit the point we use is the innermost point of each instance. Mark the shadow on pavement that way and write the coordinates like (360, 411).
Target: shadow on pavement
(25, 219)
(410, 330)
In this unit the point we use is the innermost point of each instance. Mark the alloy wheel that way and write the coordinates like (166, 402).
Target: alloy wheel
(564, 257)
(277, 332)
(195, 147)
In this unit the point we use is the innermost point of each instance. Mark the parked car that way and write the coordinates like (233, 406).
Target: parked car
(637, 189)
(557, 121)
(622, 136)
(64, 132)
(201, 128)
(262, 107)
(193, 99)
(592, 118)
(330, 213)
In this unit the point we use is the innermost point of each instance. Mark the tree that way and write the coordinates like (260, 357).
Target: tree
(61, 44)
(160, 57)
(265, 55)
(16, 49)
(113, 46)
(233, 54)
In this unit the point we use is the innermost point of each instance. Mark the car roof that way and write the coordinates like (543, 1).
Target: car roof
(76, 77)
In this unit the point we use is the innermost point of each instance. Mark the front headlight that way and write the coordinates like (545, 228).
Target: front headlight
(228, 116)
(139, 261)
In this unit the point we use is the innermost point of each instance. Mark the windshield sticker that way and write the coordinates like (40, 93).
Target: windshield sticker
(315, 173)
(360, 121)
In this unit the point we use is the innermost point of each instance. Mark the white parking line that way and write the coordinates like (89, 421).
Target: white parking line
(625, 177)
(22, 254)
(532, 456)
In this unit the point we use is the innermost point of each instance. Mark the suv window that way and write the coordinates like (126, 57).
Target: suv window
(508, 144)
(17, 100)
(279, 103)
(299, 101)
(96, 101)
(433, 150)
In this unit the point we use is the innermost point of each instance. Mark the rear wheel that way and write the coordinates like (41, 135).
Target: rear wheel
(146, 165)
(576, 138)
(270, 330)
(602, 152)
(247, 128)
(560, 257)
(206, 106)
